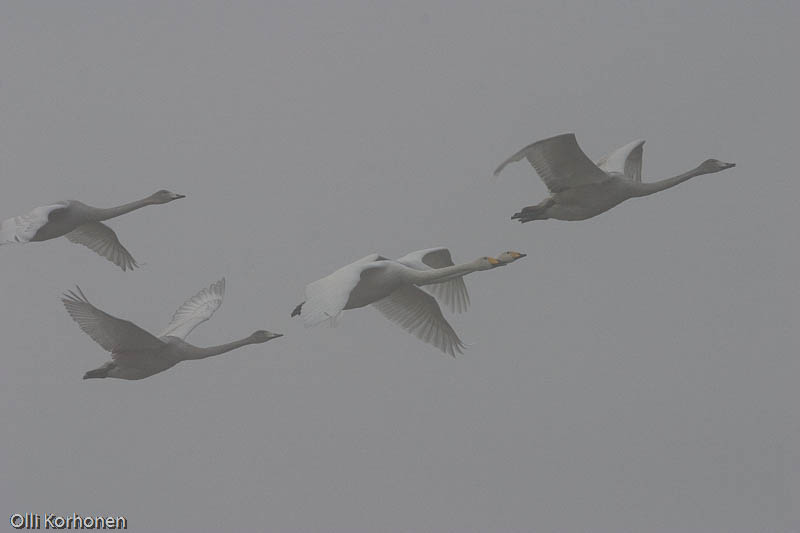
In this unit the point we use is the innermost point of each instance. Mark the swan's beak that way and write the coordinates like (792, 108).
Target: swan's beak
(729, 165)
(276, 335)
(518, 255)
(179, 196)
(495, 262)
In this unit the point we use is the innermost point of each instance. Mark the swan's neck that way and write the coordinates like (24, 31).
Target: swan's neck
(437, 275)
(645, 189)
(111, 212)
(195, 352)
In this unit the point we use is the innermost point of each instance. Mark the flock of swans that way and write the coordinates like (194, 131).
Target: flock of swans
(580, 189)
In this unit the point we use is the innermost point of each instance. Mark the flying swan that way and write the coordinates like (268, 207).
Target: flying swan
(393, 289)
(135, 353)
(81, 224)
(581, 189)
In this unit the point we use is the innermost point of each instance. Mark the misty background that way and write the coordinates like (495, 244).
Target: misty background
(636, 372)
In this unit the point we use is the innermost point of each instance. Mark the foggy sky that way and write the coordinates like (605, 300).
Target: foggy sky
(636, 372)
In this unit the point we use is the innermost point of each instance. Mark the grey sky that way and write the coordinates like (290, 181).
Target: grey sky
(636, 372)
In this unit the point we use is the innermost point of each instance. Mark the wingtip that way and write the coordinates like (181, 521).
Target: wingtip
(74, 296)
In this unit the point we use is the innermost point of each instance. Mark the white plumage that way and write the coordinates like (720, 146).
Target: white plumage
(417, 312)
(453, 293)
(23, 228)
(102, 240)
(195, 310)
(626, 160)
(392, 288)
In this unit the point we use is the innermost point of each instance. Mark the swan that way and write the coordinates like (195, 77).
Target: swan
(453, 293)
(81, 224)
(135, 353)
(393, 289)
(581, 189)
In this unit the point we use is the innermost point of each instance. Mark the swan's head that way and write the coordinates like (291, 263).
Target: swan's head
(714, 165)
(510, 257)
(264, 336)
(486, 263)
(163, 196)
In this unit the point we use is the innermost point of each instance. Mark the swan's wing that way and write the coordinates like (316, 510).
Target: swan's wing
(438, 257)
(23, 228)
(626, 160)
(326, 297)
(560, 163)
(453, 293)
(195, 310)
(417, 312)
(113, 334)
(101, 239)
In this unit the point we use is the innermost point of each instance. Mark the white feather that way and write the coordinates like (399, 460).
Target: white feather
(195, 310)
(113, 334)
(24, 227)
(626, 160)
(560, 163)
(327, 297)
(453, 293)
(101, 239)
(417, 312)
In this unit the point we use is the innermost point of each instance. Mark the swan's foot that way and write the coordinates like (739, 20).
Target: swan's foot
(539, 211)
(532, 212)
(101, 372)
(298, 309)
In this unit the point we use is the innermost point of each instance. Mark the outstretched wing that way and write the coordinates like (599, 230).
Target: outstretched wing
(453, 293)
(195, 310)
(626, 160)
(101, 239)
(113, 334)
(560, 163)
(23, 228)
(417, 312)
(438, 257)
(326, 297)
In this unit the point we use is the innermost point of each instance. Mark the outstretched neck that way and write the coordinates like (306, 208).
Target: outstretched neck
(112, 212)
(645, 189)
(195, 352)
(437, 275)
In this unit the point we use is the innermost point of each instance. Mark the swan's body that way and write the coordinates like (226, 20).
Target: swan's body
(581, 189)
(393, 288)
(81, 224)
(135, 353)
